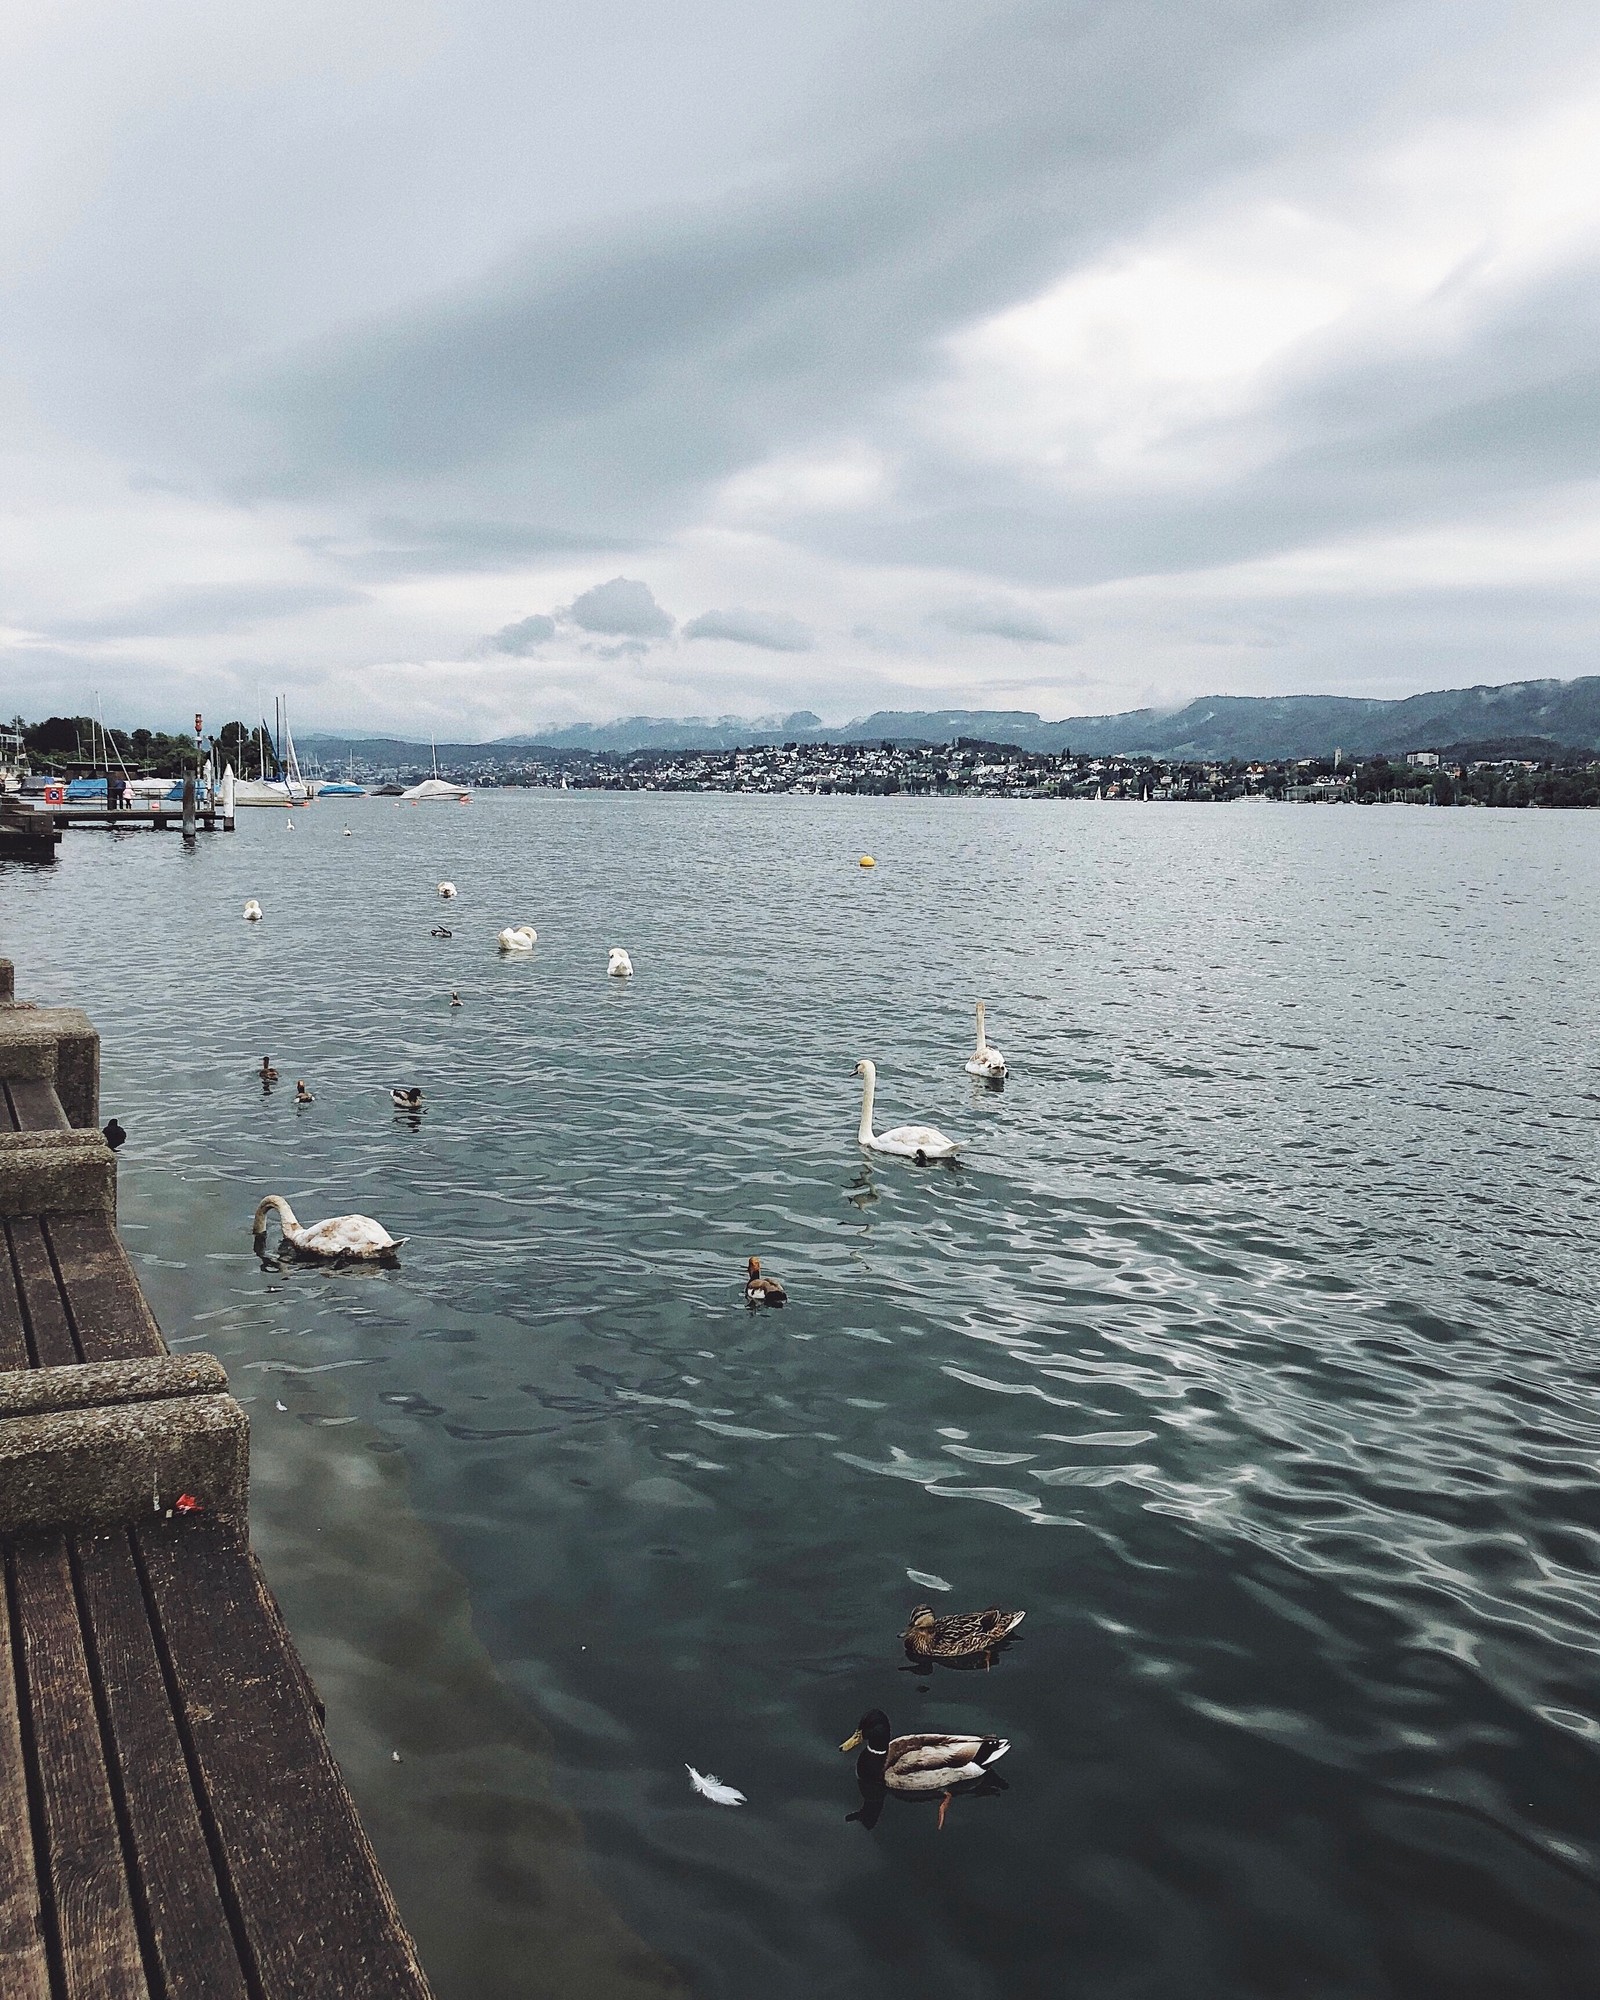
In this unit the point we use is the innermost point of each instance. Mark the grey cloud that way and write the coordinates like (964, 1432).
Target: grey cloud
(774, 630)
(524, 635)
(1001, 618)
(222, 607)
(401, 547)
(621, 607)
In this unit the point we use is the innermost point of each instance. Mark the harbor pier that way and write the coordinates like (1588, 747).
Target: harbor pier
(173, 1825)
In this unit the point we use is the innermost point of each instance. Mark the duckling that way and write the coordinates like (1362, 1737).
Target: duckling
(759, 1291)
(113, 1134)
(266, 1072)
(920, 1766)
(406, 1099)
(301, 1094)
(965, 1636)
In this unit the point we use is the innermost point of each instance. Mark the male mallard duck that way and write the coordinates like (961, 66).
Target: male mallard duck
(761, 1291)
(301, 1094)
(920, 1766)
(962, 1637)
(266, 1072)
(406, 1099)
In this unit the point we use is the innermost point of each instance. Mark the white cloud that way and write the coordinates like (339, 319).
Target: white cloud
(773, 630)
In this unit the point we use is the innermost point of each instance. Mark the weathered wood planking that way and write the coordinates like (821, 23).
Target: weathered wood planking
(188, 1925)
(46, 1316)
(93, 1914)
(24, 1961)
(14, 1349)
(107, 1309)
(316, 1910)
(35, 1106)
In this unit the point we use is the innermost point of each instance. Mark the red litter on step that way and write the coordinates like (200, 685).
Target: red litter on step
(187, 1503)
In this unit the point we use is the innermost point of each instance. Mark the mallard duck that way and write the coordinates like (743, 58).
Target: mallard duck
(301, 1094)
(962, 1637)
(340, 1238)
(406, 1099)
(455, 999)
(761, 1291)
(920, 1766)
(266, 1072)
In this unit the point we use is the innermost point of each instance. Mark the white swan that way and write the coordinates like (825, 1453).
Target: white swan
(518, 937)
(910, 1142)
(619, 965)
(984, 1060)
(355, 1236)
(252, 911)
(447, 890)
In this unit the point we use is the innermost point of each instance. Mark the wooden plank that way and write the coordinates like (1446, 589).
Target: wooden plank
(42, 1304)
(315, 1908)
(108, 1312)
(93, 1907)
(24, 1959)
(35, 1106)
(183, 1912)
(14, 1349)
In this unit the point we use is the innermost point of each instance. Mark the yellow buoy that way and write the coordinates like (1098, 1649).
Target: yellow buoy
(867, 861)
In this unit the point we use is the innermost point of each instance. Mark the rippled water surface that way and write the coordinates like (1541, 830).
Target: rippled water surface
(1252, 1350)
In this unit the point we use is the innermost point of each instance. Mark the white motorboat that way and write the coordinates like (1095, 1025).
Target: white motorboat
(436, 788)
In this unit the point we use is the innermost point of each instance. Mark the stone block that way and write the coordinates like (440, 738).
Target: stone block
(55, 1045)
(113, 1465)
(33, 1392)
(57, 1173)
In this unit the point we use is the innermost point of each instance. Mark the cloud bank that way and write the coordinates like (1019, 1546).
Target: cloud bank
(1068, 358)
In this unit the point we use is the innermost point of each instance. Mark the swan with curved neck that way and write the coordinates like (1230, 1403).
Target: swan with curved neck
(518, 937)
(341, 1236)
(909, 1142)
(619, 965)
(984, 1060)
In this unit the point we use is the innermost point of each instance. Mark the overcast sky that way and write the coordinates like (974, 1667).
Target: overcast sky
(478, 366)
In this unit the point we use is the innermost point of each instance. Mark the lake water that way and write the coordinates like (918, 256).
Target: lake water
(1252, 1351)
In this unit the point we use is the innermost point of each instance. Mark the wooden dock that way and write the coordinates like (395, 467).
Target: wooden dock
(172, 1823)
(19, 819)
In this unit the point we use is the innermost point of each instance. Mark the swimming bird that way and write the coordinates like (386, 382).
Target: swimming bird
(347, 833)
(455, 999)
(761, 1291)
(920, 1766)
(355, 1237)
(619, 965)
(405, 1098)
(266, 1072)
(518, 937)
(301, 1094)
(985, 1061)
(964, 1636)
(911, 1142)
(252, 911)
(113, 1134)
(440, 931)
(447, 890)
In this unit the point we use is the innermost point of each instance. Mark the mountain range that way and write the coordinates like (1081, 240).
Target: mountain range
(1564, 713)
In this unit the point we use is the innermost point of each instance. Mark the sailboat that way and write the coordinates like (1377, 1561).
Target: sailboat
(436, 787)
(285, 787)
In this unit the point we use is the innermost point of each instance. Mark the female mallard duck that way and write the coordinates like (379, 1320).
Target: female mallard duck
(341, 1237)
(920, 1766)
(761, 1291)
(266, 1072)
(962, 1637)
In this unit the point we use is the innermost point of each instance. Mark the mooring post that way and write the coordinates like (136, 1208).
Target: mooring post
(188, 807)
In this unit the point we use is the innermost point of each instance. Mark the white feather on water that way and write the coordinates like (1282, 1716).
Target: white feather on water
(928, 1580)
(714, 1789)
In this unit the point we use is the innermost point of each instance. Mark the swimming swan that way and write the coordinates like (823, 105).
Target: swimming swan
(518, 937)
(619, 965)
(911, 1142)
(252, 911)
(985, 1061)
(447, 890)
(341, 1236)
